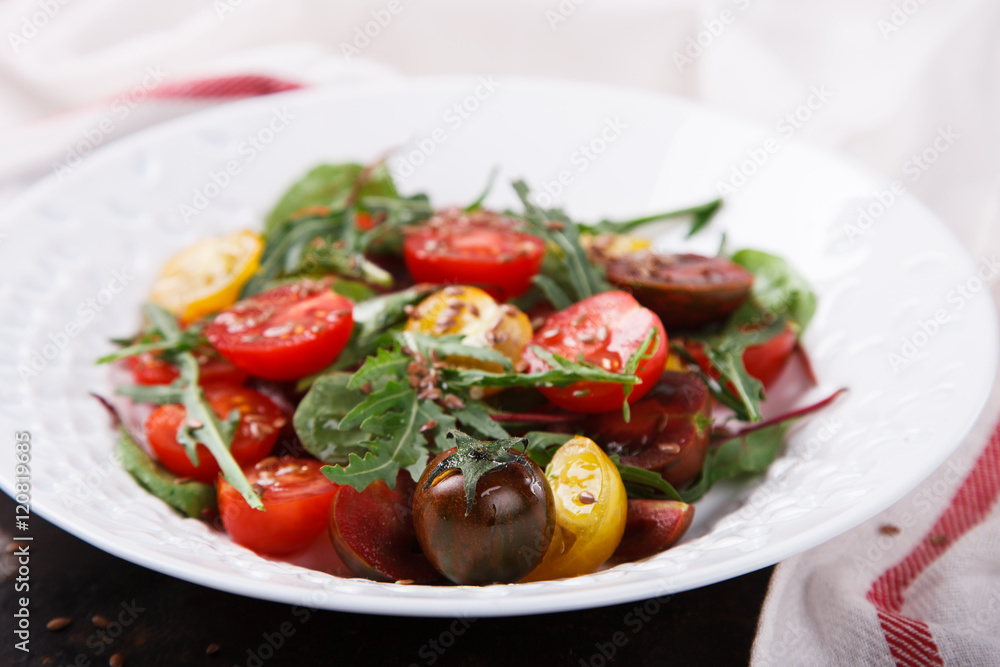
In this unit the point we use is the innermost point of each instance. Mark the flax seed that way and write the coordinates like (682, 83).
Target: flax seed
(100, 621)
(58, 623)
(212, 649)
(117, 660)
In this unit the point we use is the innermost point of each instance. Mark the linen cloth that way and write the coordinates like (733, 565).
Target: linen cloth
(916, 585)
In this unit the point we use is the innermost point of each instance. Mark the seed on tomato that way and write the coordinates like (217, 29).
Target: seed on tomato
(259, 424)
(605, 330)
(668, 430)
(284, 333)
(481, 248)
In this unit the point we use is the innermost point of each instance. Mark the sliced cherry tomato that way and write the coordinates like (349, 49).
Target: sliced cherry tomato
(296, 497)
(500, 536)
(481, 248)
(653, 526)
(764, 361)
(373, 533)
(686, 291)
(148, 369)
(256, 433)
(668, 430)
(472, 313)
(605, 330)
(591, 508)
(284, 333)
(207, 277)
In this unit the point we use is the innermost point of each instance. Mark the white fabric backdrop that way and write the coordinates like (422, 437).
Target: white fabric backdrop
(899, 73)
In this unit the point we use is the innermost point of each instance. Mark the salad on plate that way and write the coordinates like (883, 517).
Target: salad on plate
(453, 394)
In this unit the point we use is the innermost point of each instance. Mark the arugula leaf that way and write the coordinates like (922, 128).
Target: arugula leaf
(191, 499)
(319, 415)
(700, 216)
(478, 203)
(158, 394)
(201, 425)
(395, 417)
(778, 289)
(385, 363)
(641, 353)
(565, 262)
(150, 341)
(330, 185)
(452, 346)
(475, 417)
(562, 372)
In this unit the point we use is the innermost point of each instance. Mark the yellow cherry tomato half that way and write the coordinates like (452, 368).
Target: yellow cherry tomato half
(208, 276)
(472, 313)
(591, 508)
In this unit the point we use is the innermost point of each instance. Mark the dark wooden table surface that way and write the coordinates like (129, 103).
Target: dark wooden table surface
(154, 619)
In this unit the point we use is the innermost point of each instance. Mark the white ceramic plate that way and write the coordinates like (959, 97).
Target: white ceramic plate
(121, 211)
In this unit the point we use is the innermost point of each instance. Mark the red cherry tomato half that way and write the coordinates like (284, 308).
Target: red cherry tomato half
(763, 362)
(256, 433)
(296, 497)
(148, 369)
(606, 330)
(284, 333)
(482, 249)
(373, 533)
(766, 361)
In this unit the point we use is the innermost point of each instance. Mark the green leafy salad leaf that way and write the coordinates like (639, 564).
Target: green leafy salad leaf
(780, 296)
(330, 185)
(699, 215)
(201, 425)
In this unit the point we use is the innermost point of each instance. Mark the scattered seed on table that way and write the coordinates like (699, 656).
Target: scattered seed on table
(212, 649)
(100, 621)
(58, 623)
(117, 660)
